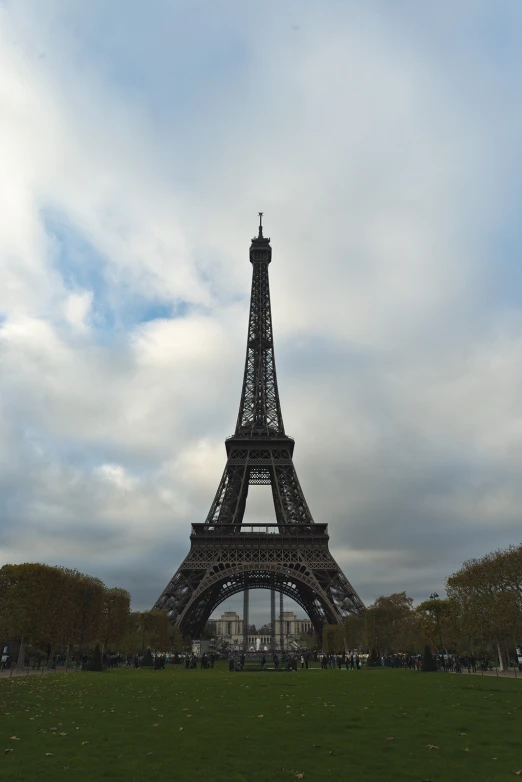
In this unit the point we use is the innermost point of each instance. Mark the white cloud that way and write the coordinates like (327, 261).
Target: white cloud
(77, 308)
(116, 475)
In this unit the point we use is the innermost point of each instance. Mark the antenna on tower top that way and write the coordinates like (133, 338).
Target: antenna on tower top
(260, 225)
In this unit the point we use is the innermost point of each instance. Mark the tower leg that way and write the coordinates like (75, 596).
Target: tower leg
(273, 619)
(281, 627)
(245, 617)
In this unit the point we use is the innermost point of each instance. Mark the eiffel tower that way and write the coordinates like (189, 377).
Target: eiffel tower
(290, 556)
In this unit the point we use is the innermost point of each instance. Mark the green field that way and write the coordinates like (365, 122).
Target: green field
(197, 725)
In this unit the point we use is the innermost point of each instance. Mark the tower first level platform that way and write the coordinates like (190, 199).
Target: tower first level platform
(292, 559)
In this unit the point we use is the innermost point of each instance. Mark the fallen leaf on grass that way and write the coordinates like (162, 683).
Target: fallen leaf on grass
(299, 776)
(156, 725)
(332, 753)
(519, 773)
(467, 749)
(463, 734)
(8, 750)
(260, 715)
(182, 728)
(64, 734)
(48, 754)
(150, 753)
(14, 738)
(84, 743)
(431, 746)
(390, 738)
(316, 746)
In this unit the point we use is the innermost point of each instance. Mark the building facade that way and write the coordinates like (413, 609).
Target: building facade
(228, 629)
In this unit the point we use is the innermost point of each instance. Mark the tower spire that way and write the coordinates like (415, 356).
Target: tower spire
(259, 408)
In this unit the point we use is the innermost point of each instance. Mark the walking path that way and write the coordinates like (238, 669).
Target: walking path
(510, 674)
(13, 672)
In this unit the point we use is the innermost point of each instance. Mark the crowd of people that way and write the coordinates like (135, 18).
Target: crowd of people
(238, 661)
(445, 662)
(411, 661)
(350, 660)
(206, 661)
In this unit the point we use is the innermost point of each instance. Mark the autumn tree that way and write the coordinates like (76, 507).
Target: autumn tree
(85, 614)
(154, 630)
(308, 640)
(27, 603)
(53, 630)
(115, 613)
(489, 594)
(177, 642)
(333, 639)
(130, 642)
(355, 632)
(55, 606)
(439, 623)
(385, 622)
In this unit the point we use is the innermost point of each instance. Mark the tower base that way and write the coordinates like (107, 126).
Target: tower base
(292, 559)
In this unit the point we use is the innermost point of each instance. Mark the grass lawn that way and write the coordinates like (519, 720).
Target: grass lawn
(198, 725)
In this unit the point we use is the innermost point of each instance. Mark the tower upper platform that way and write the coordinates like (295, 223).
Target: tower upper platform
(260, 250)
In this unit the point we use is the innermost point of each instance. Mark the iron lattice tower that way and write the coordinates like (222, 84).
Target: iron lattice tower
(290, 556)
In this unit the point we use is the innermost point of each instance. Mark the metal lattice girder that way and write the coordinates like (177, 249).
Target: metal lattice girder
(260, 409)
(295, 559)
(227, 556)
(270, 465)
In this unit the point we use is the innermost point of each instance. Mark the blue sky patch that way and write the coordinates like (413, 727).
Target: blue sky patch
(116, 307)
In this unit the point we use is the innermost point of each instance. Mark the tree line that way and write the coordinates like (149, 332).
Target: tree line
(50, 611)
(59, 610)
(481, 615)
(56, 610)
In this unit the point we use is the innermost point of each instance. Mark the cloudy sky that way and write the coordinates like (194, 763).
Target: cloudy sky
(137, 143)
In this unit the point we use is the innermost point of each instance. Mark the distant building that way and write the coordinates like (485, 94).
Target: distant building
(229, 629)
